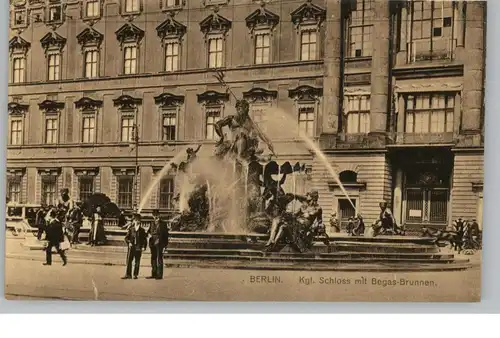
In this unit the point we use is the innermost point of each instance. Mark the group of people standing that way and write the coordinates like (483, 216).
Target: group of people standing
(137, 239)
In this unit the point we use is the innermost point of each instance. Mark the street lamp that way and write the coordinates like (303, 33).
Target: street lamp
(135, 143)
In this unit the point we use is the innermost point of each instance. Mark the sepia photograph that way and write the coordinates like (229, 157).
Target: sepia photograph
(245, 150)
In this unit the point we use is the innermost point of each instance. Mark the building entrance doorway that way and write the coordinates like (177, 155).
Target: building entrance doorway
(427, 205)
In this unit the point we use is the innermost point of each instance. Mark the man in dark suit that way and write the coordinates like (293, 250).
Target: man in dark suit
(158, 232)
(55, 236)
(137, 241)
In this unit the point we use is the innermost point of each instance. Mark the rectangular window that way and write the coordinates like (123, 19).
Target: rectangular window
(85, 187)
(172, 56)
(131, 6)
(16, 132)
(55, 13)
(430, 113)
(125, 191)
(130, 60)
(166, 193)
(360, 29)
(358, 114)
(215, 52)
(88, 129)
(306, 119)
(54, 67)
(213, 115)
(14, 190)
(127, 129)
(345, 211)
(173, 3)
(169, 126)
(91, 64)
(431, 32)
(20, 17)
(18, 67)
(308, 40)
(92, 9)
(49, 190)
(262, 48)
(51, 130)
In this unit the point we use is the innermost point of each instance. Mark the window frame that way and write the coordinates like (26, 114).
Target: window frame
(15, 181)
(119, 199)
(92, 180)
(172, 41)
(126, 46)
(51, 115)
(98, 4)
(169, 112)
(126, 11)
(170, 194)
(307, 104)
(358, 99)
(51, 6)
(127, 115)
(86, 114)
(366, 23)
(43, 181)
(15, 10)
(58, 54)
(309, 29)
(449, 124)
(86, 51)
(260, 33)
(20, 120)
(211, 110)
(210, 38)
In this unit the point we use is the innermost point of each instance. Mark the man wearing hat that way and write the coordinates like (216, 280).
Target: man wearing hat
(158, 240)
(136, 240)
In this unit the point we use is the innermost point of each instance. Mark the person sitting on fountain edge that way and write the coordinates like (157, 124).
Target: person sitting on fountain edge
(242, 128)
(310, 216)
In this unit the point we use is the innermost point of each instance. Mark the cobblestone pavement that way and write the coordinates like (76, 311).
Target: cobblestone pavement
(27, 279)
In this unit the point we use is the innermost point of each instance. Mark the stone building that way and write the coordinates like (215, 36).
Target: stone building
(391, 91)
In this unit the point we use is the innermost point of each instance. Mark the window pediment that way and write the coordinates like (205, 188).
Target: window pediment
(211, 97)
(171, 28)
(260, 95)
(215, 23)
(16, 108)
(169, 100)
(90, 36)
(305, 93)
(308, 13)
(94, 171)
(51, 106)
(52, 40)
(127, 102)
(86, 103)
(262, 18)
(18, 45)
(129, 33)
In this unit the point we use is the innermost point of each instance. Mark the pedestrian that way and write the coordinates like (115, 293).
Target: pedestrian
(137, 241)
(158, 232)
(75, 221)
(97, 234)
(55, 236)
(122, 220)
(40, 220)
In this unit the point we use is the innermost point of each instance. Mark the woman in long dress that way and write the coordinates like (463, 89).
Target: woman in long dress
(97, 235)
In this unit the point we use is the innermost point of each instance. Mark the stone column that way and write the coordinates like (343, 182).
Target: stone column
(474, 67)
(332, 75)
(380, 67)
(398, 196)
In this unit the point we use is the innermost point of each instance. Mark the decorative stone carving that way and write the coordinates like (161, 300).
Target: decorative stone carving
(260, 95)
(305, 93)
(86, 103)
(129, 33)
(90, 37)
(308, 14)
(171, 28)
(262, 18)
(215, 23)
(94, 171)
(169, 100)
(51, 106)
(52, 40)
(212, 97)
(127, 102)
(15, 108)
(18, 45)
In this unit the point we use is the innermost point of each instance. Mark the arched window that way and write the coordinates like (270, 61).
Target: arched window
(348, 176)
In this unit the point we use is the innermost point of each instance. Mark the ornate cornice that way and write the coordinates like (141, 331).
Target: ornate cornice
(127, 102)
(305, 93)
(52, 40)
(49, 105)
(18, 44)
(91, 171)
(90, 36)
(171, 28)
(215, 23)
(211, 97)
(129, 33)
(16, 108)
(308, 13)
(86, 103)
(169, 100)
(260, 95)
(262, 18)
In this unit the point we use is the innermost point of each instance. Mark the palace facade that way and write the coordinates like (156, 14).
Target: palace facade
(392, 92)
